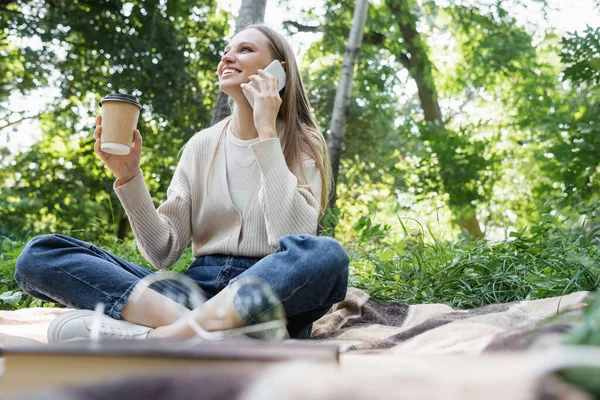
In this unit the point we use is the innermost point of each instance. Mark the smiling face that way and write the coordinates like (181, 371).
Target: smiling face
(244, 55)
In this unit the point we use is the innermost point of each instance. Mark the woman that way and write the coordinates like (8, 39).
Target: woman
(248, 191)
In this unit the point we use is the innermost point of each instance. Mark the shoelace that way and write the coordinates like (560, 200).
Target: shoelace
(112, 331)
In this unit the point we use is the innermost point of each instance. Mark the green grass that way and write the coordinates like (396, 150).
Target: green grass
(414, 266)
(587, 333)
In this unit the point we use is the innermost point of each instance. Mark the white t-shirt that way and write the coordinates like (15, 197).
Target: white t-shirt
(241, 164)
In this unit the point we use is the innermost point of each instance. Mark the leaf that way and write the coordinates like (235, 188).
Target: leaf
(539, 282)
(11, 298)
(385, 255)
(595, 63)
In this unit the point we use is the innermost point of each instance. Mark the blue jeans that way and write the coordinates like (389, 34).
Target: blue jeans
(308, 273)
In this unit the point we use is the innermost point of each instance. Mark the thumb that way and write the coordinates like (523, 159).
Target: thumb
(137, 141)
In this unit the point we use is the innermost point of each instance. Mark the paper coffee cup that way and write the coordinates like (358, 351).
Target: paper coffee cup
(120, 113)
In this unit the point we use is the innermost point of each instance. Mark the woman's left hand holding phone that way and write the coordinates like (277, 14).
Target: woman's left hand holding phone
(266, 103)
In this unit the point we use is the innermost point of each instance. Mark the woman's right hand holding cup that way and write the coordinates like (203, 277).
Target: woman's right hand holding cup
(125, 167)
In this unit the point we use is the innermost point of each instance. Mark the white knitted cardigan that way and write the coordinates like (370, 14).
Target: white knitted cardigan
(199, 207)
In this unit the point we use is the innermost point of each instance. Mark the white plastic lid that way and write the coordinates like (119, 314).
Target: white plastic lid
(115, 148)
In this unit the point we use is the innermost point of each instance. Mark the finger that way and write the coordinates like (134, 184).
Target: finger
(250, 89)
(99, 150)
(262, 83)
(99, 119)
(98, 132)
(269, 77)
(265, 73)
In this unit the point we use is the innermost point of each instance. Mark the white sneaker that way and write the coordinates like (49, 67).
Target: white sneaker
(77, 325)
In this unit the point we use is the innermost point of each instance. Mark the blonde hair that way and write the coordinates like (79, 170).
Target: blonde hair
(300, 134)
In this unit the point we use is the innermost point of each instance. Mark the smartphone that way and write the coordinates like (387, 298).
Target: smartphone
(274, 69)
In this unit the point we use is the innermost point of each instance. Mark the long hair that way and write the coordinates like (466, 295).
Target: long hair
(300, 131)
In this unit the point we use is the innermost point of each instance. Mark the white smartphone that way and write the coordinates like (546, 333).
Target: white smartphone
(274, 69)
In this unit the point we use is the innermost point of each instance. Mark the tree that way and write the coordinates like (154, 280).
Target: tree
(164, 53)
(342, 100)
(17, 72)
(442, 152)
(371, 141)
(416, 61)
(569, 128)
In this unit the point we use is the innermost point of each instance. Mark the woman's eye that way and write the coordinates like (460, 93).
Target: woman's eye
(223, 52)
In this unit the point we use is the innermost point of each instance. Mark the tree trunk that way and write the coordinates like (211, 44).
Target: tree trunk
(251, 12)
(342, 95)
(419, 66)
(470, 226)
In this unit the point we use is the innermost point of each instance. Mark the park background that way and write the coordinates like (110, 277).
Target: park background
(469, 161)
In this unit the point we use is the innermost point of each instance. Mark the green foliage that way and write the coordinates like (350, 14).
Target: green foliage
(581, 54)
(372, 139)
(587, 333)
(467, 56)
(164, 53)
(10, 293)
(418, 267)
(17, 72)
(513, 137)
(490, 48)
(473, 171)
(58, 185)
(573, 147)
(565, 136)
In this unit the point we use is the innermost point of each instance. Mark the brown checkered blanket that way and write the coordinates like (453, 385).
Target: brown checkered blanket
(390, 351)
(361, 323)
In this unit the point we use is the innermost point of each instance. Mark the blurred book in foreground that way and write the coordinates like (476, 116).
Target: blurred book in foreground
(43, 366)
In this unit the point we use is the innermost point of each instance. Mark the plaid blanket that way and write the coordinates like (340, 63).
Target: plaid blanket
(361, 323)
(390, 350)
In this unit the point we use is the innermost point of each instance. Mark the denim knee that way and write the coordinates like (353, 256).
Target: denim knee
(327, 259)
(335, 257)
(336, 265)
(30, 264)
